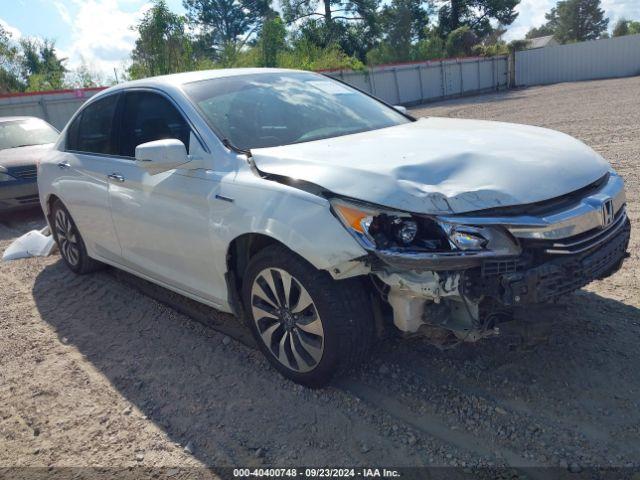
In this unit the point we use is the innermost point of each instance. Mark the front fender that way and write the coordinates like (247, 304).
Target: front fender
(303, 222)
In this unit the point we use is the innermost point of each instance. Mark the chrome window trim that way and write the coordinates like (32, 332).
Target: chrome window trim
(582, 217)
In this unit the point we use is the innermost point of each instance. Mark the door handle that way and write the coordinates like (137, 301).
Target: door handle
(63, 165)
(116, 176)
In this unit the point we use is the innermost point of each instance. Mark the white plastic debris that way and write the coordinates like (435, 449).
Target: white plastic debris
(36, 243)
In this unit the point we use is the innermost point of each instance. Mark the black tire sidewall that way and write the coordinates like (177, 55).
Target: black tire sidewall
(84, 261)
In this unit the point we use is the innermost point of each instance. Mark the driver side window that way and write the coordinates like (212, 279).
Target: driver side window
(147, 117)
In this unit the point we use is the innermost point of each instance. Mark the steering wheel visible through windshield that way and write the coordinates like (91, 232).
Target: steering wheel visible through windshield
(272, 109)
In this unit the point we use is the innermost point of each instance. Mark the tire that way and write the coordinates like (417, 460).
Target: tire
(70, 242)
(328, 324)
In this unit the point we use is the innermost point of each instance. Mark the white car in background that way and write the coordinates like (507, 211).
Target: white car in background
(321, 215)
(23, 141)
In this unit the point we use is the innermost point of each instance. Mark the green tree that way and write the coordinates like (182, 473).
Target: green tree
(576, 20)
(10, 80)
(541, 31)
(40, 65)
(460, 42)
(475, 14)
(431, 47)
(226, 26)
(404, 23)
(350, 24)
(626, 27)
(272, 41)
(330, 10)
(162, 46)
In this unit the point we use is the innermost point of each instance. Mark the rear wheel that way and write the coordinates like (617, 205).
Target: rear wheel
(70, 242)
(308, 325)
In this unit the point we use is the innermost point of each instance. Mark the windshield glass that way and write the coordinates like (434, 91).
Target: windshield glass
(22, 133)
(271, 109)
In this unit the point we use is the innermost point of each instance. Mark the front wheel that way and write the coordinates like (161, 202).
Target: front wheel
(70, 242)
(308, 325)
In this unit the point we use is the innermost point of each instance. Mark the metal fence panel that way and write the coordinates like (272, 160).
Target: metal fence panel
(54, 107)
(410, 84)
(607, 58)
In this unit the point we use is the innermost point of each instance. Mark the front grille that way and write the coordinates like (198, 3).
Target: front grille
(582, 242)
(29, 172)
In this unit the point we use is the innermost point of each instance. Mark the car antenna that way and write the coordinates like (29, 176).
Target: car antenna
(227, 143)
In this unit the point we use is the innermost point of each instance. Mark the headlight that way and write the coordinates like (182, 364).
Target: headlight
(5, 177)
(464, 237)
(378, 228)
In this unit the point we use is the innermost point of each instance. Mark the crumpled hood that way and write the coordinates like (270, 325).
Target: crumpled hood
(441, 165)
(21, 156)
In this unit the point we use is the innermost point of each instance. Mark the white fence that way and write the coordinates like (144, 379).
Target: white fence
(411, 84)
(54, 107)
(613, 57)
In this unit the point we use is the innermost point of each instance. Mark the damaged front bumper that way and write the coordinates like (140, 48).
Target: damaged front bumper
(558, 253)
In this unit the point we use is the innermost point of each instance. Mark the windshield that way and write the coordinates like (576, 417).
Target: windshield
(22, 133)
(271, 109)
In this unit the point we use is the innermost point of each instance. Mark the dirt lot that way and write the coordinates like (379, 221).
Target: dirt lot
(95, 372)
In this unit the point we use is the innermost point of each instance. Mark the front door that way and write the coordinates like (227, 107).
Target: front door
(162, 220)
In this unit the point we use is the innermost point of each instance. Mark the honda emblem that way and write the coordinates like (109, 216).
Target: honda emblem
(607, 213)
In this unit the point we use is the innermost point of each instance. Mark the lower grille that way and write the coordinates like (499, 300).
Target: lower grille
(565, 274)
(29, 172)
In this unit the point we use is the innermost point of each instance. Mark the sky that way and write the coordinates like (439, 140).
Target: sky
(99, 31)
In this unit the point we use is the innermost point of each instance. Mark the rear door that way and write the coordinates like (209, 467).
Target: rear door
(163, 220)
(91, 147)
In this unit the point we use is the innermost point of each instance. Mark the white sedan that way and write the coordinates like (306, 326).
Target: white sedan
(323, 216)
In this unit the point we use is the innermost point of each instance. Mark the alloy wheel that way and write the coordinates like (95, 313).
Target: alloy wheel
(287, 320)
(67, 237)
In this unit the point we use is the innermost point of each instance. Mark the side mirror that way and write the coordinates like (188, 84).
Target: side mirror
(161, 155)
(401, 109)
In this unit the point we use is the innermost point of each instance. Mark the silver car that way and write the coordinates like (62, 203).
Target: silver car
(322, 216)
(23, 141)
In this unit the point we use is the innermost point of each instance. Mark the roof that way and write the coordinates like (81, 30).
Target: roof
(176, 80)
(188, 77)
(541, 42)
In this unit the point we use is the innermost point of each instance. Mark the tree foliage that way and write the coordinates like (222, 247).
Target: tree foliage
(626, 27)
(225, 26)
(162, 46)
(40, 65)
(575, 21)
(10, 80)
(475, 14)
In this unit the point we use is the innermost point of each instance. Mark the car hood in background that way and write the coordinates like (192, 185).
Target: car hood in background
(441, 165)
(21, 156)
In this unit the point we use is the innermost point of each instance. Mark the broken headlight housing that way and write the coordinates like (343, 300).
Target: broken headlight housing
(377, 228)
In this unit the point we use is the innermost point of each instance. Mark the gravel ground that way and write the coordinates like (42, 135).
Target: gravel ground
(99, 371)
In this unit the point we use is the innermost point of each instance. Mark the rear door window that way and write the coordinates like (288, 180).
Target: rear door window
(93, 131)
(147, 117)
